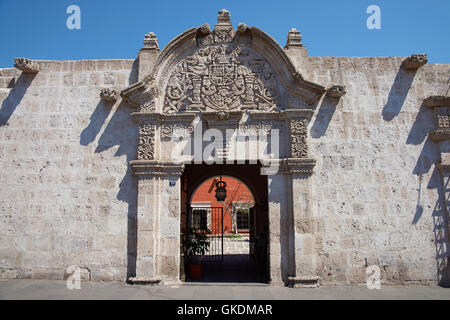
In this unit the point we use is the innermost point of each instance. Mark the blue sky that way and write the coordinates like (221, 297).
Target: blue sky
(115, 29)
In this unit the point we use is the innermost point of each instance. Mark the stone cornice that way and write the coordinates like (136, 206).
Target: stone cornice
(304, 166)
(142, 168)
(162, 117)
(290, 114)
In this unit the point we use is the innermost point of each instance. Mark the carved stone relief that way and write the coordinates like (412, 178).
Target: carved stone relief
(222, 78)
(170, 130)
(146, 148)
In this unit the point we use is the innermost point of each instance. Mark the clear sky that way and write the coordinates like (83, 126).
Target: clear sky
(115, 29)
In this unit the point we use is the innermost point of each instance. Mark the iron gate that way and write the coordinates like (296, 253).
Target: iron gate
(210, 221)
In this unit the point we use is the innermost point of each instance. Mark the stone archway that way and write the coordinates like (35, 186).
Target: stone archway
(219, 80)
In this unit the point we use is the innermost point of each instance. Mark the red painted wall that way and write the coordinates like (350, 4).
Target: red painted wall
(236, 192)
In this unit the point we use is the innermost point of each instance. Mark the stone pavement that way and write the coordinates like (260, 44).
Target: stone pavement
(47, 289)
(236, 245)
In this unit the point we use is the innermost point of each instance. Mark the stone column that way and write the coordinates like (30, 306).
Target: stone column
(158, 221)
(277, 231)
(298, 170)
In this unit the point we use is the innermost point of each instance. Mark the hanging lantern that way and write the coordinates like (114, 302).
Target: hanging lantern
(221, 191)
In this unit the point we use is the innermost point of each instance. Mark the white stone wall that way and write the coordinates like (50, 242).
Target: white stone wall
(375, 187)
(69, 197)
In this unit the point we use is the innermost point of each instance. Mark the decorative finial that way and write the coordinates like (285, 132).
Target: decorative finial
(223, 17)
(204, 28)
(151, 41)
(294, 39)
(242, 27)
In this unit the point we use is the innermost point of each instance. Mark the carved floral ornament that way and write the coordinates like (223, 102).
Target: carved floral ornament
(146, 147)
(298, 130)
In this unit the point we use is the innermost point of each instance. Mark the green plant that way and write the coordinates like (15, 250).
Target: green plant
(196, 242)
(232, 236)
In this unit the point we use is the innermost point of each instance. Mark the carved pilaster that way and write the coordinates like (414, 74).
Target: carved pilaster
(26, 65)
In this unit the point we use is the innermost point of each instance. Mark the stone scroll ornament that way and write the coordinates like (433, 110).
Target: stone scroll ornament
(298, 130)
(146, 148)
(222, 77)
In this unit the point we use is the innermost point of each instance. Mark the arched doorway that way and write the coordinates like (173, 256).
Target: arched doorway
(237, 228)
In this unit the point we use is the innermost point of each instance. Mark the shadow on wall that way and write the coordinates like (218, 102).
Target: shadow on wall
(16, 95)
(429, 153)
(440, 226)
(423, 124)
(324, 116)
(120, 131)
(398, 93)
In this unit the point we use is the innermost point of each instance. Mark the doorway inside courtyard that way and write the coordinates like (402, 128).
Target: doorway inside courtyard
(233, 221)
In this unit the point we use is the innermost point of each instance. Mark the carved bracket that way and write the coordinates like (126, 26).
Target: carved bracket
(415, 61)
(336, 91)
(110, 94)
(146, 147)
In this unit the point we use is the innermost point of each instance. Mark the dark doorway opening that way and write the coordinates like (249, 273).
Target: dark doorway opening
(242, 233)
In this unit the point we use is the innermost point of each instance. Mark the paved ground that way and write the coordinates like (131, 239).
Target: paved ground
(43, 289)
(234, 268)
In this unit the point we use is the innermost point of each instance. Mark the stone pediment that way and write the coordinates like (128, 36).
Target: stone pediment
(222, 70)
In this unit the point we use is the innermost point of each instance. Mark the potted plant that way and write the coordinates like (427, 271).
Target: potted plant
(196, 245)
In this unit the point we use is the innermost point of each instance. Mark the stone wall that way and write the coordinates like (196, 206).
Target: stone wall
(70, 198)
(376, 190)
(67, 193)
